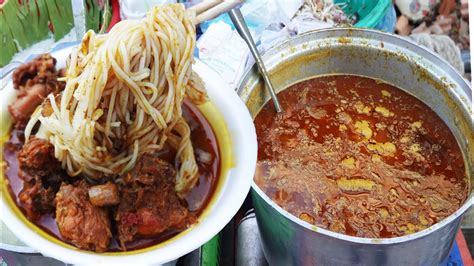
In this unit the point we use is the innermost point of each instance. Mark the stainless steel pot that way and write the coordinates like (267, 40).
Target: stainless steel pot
(287, 240)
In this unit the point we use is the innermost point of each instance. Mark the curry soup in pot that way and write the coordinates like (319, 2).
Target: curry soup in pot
(359, 157)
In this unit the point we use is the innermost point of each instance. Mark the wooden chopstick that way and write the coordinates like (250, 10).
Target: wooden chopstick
(204, 5)
(210, 10)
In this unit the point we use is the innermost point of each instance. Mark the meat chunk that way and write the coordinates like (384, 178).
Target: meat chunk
(25, 105)
(79, 222)
(37, 71)
(104, 195)
(36, 199)
(34, 81)
(41, 174)
(150, 170)
(149, 204)
(36, 158)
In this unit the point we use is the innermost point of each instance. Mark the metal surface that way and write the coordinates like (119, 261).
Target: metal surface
(242, 29)
(249, 251)
(247, 246)
(287, 240)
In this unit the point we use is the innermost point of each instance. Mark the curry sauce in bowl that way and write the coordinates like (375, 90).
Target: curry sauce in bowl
(359, 157)
(146, 215)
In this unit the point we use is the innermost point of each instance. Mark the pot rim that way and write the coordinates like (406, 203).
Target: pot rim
(413, 46)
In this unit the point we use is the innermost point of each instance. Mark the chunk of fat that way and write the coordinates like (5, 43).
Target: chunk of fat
(356, 185)
(384, 149)
(363, 128)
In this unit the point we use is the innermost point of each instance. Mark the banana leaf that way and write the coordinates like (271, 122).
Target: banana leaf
(23, 23)
(26, 22)
(6, 41)
(92, 15)
(60, 14)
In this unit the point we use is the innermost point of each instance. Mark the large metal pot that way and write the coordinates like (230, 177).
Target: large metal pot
(287, 240)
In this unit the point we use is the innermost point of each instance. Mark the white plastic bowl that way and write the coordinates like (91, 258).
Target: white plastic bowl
(236, 123)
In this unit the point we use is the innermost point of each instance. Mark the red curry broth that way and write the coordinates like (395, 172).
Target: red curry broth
(203, 139)
(359, 157)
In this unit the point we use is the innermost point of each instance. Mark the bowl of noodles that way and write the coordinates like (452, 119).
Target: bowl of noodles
(123, 149)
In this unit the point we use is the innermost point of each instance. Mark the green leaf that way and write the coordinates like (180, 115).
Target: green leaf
(6, 42)
(24, 23)
(92, 15)
(60, 15)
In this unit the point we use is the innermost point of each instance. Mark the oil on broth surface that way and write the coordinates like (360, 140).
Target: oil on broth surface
(359, 157)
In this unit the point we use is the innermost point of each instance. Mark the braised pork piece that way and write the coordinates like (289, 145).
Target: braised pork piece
(149, 204)
(41, 174)
(359, 157)
(34, 81)
(79, 222)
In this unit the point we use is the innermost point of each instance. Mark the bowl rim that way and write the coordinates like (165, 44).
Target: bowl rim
(223, 206)
(413, 46)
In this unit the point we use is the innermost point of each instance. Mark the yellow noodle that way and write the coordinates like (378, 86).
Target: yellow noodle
(126, 88)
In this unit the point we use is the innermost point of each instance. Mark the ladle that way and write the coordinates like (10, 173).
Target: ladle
(242, 29)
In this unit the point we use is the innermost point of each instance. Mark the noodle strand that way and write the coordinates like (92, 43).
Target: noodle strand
(123, 97)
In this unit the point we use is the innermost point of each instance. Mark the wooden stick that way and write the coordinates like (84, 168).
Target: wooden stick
(204, 5)
(217, 10)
